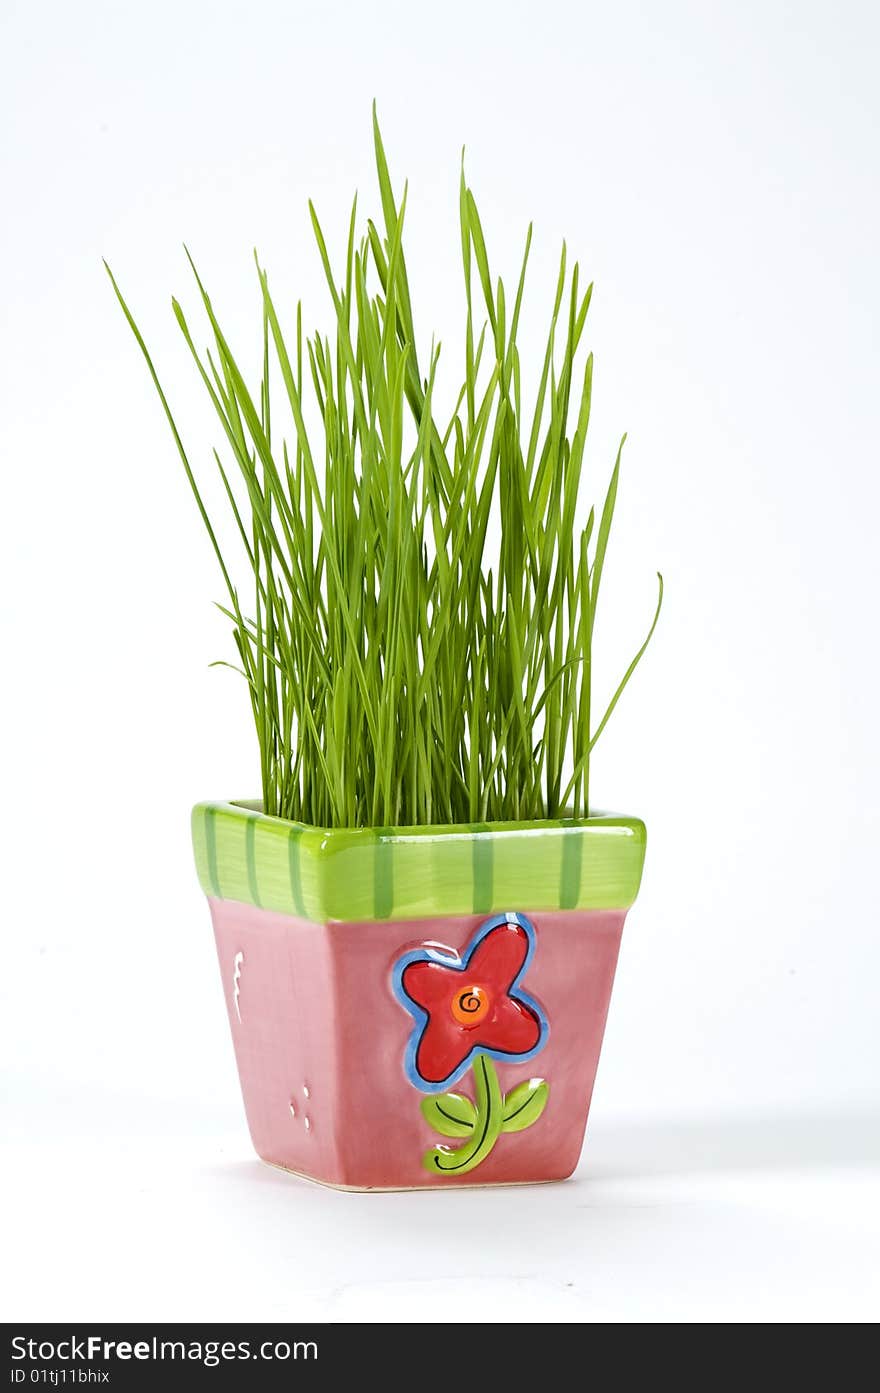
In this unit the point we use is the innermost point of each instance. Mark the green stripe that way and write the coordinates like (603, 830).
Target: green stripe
(351, 875)
(294, 870)
(211, 847)
(383, 876)
(570, 877)
(250, 833)
(481, 854)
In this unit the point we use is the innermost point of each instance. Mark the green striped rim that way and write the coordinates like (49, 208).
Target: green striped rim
(570, 876)
(297, 902)
(250, 853)
(482, 859)
(211, 851)
(383, 874)
(415, 872)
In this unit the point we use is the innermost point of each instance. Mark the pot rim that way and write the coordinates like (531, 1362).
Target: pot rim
(364, 873)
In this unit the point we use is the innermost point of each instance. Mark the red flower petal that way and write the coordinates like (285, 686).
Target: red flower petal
(443, 1046)
(499, 957)
(511, 1027)
(429, 984)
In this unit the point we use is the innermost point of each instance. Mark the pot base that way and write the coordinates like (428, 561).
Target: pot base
(407, 1189)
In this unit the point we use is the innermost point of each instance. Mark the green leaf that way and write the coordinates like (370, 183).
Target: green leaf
(604, 531)
(632, 667)
(451, 1114)
(524, 1104)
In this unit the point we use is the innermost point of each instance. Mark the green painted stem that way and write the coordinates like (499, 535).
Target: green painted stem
(487, 1128)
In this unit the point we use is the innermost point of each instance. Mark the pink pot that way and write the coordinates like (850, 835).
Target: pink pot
(419, 1007)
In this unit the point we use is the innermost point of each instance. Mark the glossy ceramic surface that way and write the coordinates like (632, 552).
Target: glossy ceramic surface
(395, 873)
(423, 1047)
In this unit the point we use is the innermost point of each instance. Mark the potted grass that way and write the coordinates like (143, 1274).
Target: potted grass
(418, 923)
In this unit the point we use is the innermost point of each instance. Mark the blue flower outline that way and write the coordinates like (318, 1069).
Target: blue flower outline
(460, 964)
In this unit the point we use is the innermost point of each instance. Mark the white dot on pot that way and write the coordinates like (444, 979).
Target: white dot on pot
(307, 1090)
(292, 1110)
(308, 1124)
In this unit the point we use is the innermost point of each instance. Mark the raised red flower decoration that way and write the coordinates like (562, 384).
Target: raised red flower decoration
(469, 1005)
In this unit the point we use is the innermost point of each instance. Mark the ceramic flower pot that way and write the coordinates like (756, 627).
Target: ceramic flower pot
(420, 1007)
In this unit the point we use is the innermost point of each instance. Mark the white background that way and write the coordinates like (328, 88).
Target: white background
(714, 168)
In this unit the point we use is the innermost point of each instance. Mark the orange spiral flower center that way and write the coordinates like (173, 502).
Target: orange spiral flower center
(470, 1005)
